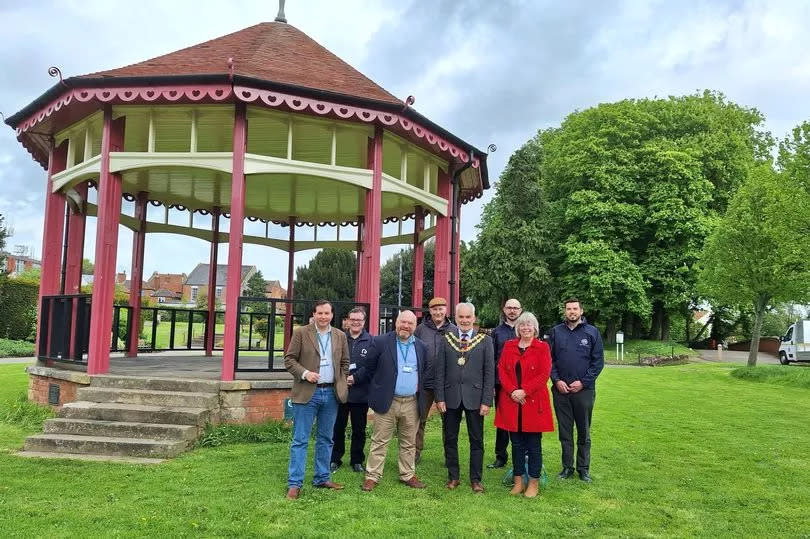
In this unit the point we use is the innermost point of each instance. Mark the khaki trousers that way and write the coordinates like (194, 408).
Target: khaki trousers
(404, 417)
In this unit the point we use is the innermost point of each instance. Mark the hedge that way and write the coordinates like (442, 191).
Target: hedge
(18, 308)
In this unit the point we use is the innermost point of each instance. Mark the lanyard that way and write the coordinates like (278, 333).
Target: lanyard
(328, 342)
(407, 349)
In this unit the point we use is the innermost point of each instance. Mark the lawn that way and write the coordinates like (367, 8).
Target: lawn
(679, 451)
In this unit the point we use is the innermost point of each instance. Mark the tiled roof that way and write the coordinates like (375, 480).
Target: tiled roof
(199, 276)
(270, 51)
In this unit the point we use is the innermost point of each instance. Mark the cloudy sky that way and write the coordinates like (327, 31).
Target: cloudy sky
(489, 71)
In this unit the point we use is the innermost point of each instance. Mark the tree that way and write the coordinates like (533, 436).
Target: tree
(329, 275)
(389, 277)
(757, 256)
(87, 267)
(255, 285)
(3, 236)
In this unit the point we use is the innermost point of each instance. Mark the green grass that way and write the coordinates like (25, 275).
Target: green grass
(678, 452)
(163, 333)
(637, 348)
(781, 375)
(10, 348)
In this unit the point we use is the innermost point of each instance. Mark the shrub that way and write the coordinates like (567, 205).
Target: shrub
(18, 308)
(9, 348)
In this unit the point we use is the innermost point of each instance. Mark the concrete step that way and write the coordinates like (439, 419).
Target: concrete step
(94, 458)
(104, 445)
(120, 429)
(133, 413)
(148, 397)
(154, 384)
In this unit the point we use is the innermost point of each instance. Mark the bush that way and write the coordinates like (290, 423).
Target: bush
(9, 348)
(18, 308)
(270, 432)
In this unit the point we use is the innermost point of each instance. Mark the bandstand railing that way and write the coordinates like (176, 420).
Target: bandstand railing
(388, 315)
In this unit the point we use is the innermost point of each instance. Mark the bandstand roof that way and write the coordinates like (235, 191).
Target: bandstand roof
(285, 77)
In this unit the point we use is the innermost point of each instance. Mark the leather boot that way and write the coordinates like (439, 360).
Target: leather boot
(518, 488)
(533, 488)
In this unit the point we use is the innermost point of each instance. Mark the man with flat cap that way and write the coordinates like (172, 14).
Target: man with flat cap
(465, 381)
(431, 331)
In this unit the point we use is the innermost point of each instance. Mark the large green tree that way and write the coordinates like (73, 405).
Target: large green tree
(329, 275)
(389, 277)
(757, 256)
(255, 286)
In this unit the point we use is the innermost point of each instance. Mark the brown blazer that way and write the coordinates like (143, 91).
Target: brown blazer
(304, 354)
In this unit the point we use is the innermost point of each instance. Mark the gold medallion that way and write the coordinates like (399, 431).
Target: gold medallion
(462, 361)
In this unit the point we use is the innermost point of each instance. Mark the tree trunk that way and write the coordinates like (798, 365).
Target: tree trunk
(688, 321)
(655, 326)
(759, 311)
(610, 330)
(664, 325)
(636, 327)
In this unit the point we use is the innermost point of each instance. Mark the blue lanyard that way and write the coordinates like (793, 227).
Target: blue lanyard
(328, 342)
(405, 352)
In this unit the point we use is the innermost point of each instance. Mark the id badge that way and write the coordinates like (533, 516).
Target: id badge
(324, 362)
(407, 369)
(353, 366)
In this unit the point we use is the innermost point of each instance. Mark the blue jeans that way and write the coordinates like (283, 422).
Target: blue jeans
(323, 406)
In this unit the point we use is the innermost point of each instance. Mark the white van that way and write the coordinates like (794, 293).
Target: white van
(795, 344)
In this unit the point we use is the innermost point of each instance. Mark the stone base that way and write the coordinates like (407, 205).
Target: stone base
(41, 378)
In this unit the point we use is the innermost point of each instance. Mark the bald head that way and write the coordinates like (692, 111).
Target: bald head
(405, 325)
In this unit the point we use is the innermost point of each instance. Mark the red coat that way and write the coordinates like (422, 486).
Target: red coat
(535, 365)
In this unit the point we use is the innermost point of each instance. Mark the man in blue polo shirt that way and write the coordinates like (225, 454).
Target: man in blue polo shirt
(577, 358)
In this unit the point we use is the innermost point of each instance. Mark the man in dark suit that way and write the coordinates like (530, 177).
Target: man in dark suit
(465, 380)
(395, 374)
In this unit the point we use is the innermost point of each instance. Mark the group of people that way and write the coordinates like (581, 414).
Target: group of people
(339, 376)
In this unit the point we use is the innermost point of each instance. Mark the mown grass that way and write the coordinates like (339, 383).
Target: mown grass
(11, 348)
(781, 375)
(678, 452)
(635, 349)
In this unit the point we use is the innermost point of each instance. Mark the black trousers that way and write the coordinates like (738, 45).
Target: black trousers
(575, 409)
(475, 432)
(523, 444)
(359, 415)
(501, 436)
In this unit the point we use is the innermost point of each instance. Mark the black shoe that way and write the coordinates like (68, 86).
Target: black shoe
(566, 473)
(497, 464)
(418, 458)
(585, 476)
(333, 466)
(358, 468)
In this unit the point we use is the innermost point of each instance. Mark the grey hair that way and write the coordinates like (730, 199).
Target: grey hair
(469, 306)
(527, 318)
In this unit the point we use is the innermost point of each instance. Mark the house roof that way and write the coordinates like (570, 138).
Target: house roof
(199, 275)
(163, 293)
(270, 51)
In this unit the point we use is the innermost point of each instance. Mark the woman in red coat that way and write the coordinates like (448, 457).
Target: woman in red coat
(524, 408)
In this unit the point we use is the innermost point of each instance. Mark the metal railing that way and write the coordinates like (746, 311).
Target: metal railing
(64, 329)
(269, 323)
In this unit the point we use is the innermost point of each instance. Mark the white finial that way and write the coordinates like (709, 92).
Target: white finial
(280, 17)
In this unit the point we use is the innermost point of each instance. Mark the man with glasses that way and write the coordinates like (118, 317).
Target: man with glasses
(504, 332)
(360, 346)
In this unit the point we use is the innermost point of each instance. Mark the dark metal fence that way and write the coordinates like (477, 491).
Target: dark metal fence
(266, 324)
(388, 315)
(64, 328)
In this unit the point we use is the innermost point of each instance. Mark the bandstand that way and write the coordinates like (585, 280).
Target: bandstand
(263, 124)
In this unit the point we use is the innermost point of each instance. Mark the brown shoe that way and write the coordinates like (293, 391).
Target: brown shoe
(413, 482)
(532, 489)
(329, 484)
(453, 483)
(478, 488)
(519, 486)
(368, 485)
(293, 492)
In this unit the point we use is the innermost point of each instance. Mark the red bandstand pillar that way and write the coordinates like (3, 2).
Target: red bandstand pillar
(441, 264)
(288, 308)
(211, 321)
(457, 259)
(136, 272)
(52, 235)
(109, 216)
(358, 270)
(235, 235)
(75, 243)
(418, 285)
(372, 234)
